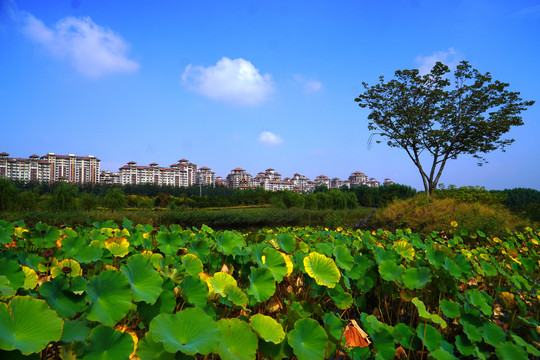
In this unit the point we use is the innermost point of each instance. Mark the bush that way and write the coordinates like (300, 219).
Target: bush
(426, 214)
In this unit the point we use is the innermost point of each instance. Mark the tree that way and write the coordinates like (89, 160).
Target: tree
(115, 199)
(435, 122)
(64, 197)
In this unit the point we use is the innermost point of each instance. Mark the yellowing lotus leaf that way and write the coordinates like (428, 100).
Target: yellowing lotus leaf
(31, 278)
(322, 269)
(68, 267)
(288, 262)
(404, 249)
(19, 232)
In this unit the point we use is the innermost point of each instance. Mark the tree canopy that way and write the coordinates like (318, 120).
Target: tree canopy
(436, 117)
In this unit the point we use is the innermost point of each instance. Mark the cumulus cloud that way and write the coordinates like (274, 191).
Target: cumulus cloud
(269, 138)
(92, 49)
(309, 85)
(426, 63)
(235, 81)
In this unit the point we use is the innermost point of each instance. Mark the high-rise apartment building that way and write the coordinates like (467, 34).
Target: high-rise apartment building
(51, 167)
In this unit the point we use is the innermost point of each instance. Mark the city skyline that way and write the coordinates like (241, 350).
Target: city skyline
(247, 83)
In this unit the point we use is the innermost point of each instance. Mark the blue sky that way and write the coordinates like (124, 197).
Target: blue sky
(251, 84)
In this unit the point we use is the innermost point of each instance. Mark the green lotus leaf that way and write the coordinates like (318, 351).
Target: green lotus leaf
(199, 248)
(530, 348)
(429, 335)
(493, 334)
(322, 269)
(219, 281)
(236, 295)
(165, 303)
(435, 257)
(61, 298)
(67, 267)
(442, 354)
(343, 300)
(453, 268)
(229, 240)
(404, 249)
(275, 262)
(383, 344)
(88, 254)
(464, 346)
(471, 327)
(109, 295)
(389, 270)
(510, 351)
(333, 325)
(449, 308)
(30, 278)
(403, 334)
(148, 349)
(193, 264)
(267, 328)
(195, 291)
(106, 343)
(343, 257)
(14, 273)
(424, 314)
(169, 242)
(144, 280)
(287, 242)
(308, 340)
(489, 269)
(238, 341)
(5, 289)
(478, 299)
(416, 278)
(75, 330)
(71, 244)
(43, 236)
(262, 284)
(190, 331)
(28, 325)
(5, 234)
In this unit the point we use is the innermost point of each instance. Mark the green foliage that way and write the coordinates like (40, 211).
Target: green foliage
(435, 119)
(115, 199)
(272, 293)
(63, 198)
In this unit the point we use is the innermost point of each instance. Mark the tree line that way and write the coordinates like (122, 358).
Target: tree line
(25, 196)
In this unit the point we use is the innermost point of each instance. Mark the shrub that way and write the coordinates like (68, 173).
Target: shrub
(426, 214)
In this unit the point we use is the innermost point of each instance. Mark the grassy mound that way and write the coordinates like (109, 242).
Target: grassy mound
(424, 215)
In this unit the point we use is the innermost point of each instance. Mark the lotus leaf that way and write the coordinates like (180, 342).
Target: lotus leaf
(287, 242)
(28, 325)
(106, 343)
(236, 295)
(343, 300)
(195, 291)
(510, 351)
(190, 331)
(333, 325)
(404, 249)
(219, 281)
(88, 254)
(30, 278)
(144, 280)
(449, 308)
(530, 348)
(61, 298)
(67, 267)
(169, 243)
(430, 336)
(193, 264)
(267, 328)
(75, 330)
(424, 314)
(464, 346)
(238, 342)
(322, 269)
(109, 295)
(275, 262)
(479, 299)
(13, 272)
(148, 349)
(383, 344)
(416, 278)
(262, 284)
(343, 257)
(308, 340)
(118, 246)
(165, 303)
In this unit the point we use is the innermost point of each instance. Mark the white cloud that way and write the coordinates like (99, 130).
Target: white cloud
(308, 84)
(426, 63)
(235, 81)
(269, 138)
(92, 49)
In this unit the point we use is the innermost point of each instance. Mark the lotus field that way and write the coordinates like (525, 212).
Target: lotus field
(138, 292)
